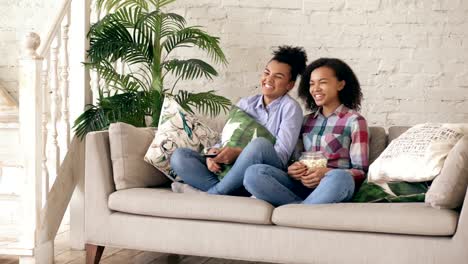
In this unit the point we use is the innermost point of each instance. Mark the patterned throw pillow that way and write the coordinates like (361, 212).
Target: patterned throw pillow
(239, 130)
(402, 173)
(417, 155)
(177, 129)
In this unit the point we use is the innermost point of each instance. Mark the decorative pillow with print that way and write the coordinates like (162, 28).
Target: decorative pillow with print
(418, 154)
(239, 130)
(403, 171)
(177, 129)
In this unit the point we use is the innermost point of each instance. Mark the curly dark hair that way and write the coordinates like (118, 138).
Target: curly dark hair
(295, 57)
(350, 95)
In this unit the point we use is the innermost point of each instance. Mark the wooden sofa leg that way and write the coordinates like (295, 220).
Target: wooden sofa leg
(93, 253)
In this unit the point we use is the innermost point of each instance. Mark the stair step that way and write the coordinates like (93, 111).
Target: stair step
(9, 125)
(10, 247)
(8, 114)
(9, 232)
(9, 142)
(10, 213)
(10, 179)
(10, 244)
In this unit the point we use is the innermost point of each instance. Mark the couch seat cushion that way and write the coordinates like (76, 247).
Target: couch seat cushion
(164, 203)
(395, 218)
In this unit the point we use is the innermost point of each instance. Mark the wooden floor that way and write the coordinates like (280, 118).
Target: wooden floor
(64, 255)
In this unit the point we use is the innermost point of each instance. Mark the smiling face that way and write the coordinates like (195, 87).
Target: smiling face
(276, 81)
(324, 88)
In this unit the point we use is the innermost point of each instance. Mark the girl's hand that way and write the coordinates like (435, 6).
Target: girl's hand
(312, 178)
(212, 165)
(213, 151)
(227, 155)
(297, 170)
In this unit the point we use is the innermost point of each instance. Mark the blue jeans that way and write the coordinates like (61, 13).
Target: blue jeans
(191, 167)
(278, 188)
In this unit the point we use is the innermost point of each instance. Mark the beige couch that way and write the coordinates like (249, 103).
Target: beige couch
(155, 219)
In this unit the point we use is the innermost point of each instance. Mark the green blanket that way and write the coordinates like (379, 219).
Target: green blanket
(392, 192)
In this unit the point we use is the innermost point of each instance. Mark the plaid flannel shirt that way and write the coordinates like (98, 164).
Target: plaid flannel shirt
(343, 138)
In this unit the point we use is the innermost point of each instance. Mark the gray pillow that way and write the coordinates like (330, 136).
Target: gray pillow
(128, 145)
(449, 187)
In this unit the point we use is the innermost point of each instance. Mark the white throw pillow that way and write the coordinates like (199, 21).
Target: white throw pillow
(418, 154)
(177, 129)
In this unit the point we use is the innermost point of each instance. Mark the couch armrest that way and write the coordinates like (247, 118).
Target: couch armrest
(99, 184)
(462, 228)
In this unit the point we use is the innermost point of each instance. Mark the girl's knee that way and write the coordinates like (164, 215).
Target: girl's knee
(259, 143)
(341, 177)
(178, 156)
(253, 175)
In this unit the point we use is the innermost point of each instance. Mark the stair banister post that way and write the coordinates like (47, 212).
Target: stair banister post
(30, 111)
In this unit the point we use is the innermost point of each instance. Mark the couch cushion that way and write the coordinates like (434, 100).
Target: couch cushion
(396, 131)
(449, 188)
(128, 145)
(395, 218)
(377, 142)
(164, 203)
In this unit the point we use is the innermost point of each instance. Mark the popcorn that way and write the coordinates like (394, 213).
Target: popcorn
(313, 160)
(313, 164)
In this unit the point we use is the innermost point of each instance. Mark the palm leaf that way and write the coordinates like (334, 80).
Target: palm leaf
(130, 107)
(204, 102)
(111, 40)
(194, 36)
(125, 83)
(164, 23)
(189, 69)
(92, 119)
(109, 5)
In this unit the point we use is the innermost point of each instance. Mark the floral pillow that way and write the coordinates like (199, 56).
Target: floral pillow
(177, 129)
(239, 130)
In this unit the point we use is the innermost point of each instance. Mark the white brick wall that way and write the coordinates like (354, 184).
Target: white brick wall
(411, 56)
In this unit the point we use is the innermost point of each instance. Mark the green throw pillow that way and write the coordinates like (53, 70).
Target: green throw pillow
(239, 130)
(391, 192)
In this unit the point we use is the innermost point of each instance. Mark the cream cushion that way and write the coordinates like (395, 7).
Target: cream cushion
(449, 188)
(377, 142)
(417, 155)
(165, 203)
(394, 218)
(128, 145)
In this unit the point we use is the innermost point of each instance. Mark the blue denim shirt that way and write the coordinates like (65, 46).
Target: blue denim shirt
(282, 117)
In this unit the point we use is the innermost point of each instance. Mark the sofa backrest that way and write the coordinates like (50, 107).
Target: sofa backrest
(378, 139)
(395, 131)
(377, 142)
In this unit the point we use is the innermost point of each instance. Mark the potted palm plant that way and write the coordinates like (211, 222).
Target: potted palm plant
(142, 37)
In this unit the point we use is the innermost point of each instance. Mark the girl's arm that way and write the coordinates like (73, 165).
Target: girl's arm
(290, 127)
(359, 149)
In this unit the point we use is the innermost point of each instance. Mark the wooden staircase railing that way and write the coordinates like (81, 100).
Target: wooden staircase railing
(54, 88)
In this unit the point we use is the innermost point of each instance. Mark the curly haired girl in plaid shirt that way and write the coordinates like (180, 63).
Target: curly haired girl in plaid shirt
(332, 92)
